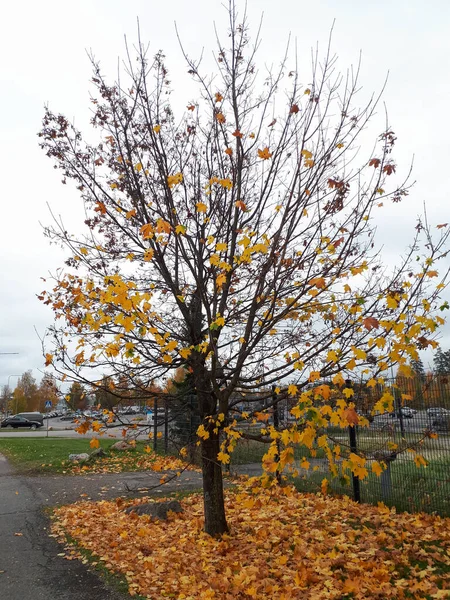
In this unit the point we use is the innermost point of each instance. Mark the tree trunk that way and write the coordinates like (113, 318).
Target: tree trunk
(213, 501)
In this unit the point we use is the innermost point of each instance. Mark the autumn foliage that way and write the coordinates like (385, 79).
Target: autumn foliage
(237, 245)
(281, 545)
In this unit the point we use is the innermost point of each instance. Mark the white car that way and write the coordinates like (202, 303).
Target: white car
(437, 412)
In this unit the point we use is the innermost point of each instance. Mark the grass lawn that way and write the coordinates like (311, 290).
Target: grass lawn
(412, 489)
(281, 545)
(50, 455)
(44, 455)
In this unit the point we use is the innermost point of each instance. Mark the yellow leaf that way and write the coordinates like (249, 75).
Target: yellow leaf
(157, 128)
(377, 468)
(138, 167)
(314, 376)
(148, 254)
(304, 463)
(351, 364)
(173, 180)
(391, 302)
(180, 229)
(220, 280)
(221, 247)
(94, 443)
(420, 461)
(223, 458)
(338, 379)
(332, 356)
(201, 207)
(185, 352)
(359, 354)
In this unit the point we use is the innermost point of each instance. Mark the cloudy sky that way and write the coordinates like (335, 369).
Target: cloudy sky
(43, 48)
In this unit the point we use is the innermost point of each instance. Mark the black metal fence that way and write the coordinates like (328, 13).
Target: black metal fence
(413, 442)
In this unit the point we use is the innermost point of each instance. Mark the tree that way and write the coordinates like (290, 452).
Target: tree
(104, 395)
(442, 362)
(48, 390)
(237, 244)
(26, 396)
(76, 398)
(5, 398)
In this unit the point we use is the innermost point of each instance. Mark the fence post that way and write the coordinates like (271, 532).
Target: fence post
(166, 426)
(354, 449)
(276, 424)
(155, 423)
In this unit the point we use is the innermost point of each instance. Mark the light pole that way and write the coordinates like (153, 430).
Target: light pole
(9, 377)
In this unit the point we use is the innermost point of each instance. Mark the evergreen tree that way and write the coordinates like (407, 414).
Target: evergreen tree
(442, 362)
(418, 368)
(418, 381)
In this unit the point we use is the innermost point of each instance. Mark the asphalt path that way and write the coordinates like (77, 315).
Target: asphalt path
(30, 565)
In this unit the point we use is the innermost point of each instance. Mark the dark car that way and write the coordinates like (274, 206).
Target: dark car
(69, 417)
(18, 421)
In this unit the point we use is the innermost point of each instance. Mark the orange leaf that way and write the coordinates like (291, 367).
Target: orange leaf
(100, 207)
(220, 117)
(94, 443)
(237, 133)
(229, 151)
(264, 154)
(318, 282)
(241, 205)
(374, 162)
(351, 416)
(218, 96)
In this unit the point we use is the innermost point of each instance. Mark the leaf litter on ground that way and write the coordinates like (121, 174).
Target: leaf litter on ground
(282, 544)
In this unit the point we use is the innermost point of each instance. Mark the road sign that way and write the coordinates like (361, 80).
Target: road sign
(48, 404)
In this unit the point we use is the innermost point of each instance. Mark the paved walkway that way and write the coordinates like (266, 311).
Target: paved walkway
(30, 568)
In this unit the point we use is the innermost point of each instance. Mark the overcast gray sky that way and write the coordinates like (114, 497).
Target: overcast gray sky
(43, 60)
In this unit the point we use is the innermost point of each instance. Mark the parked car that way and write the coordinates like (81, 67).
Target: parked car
(406, 413)
(69, 417)
(437, 412)
(17, 421)
(412, 410)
